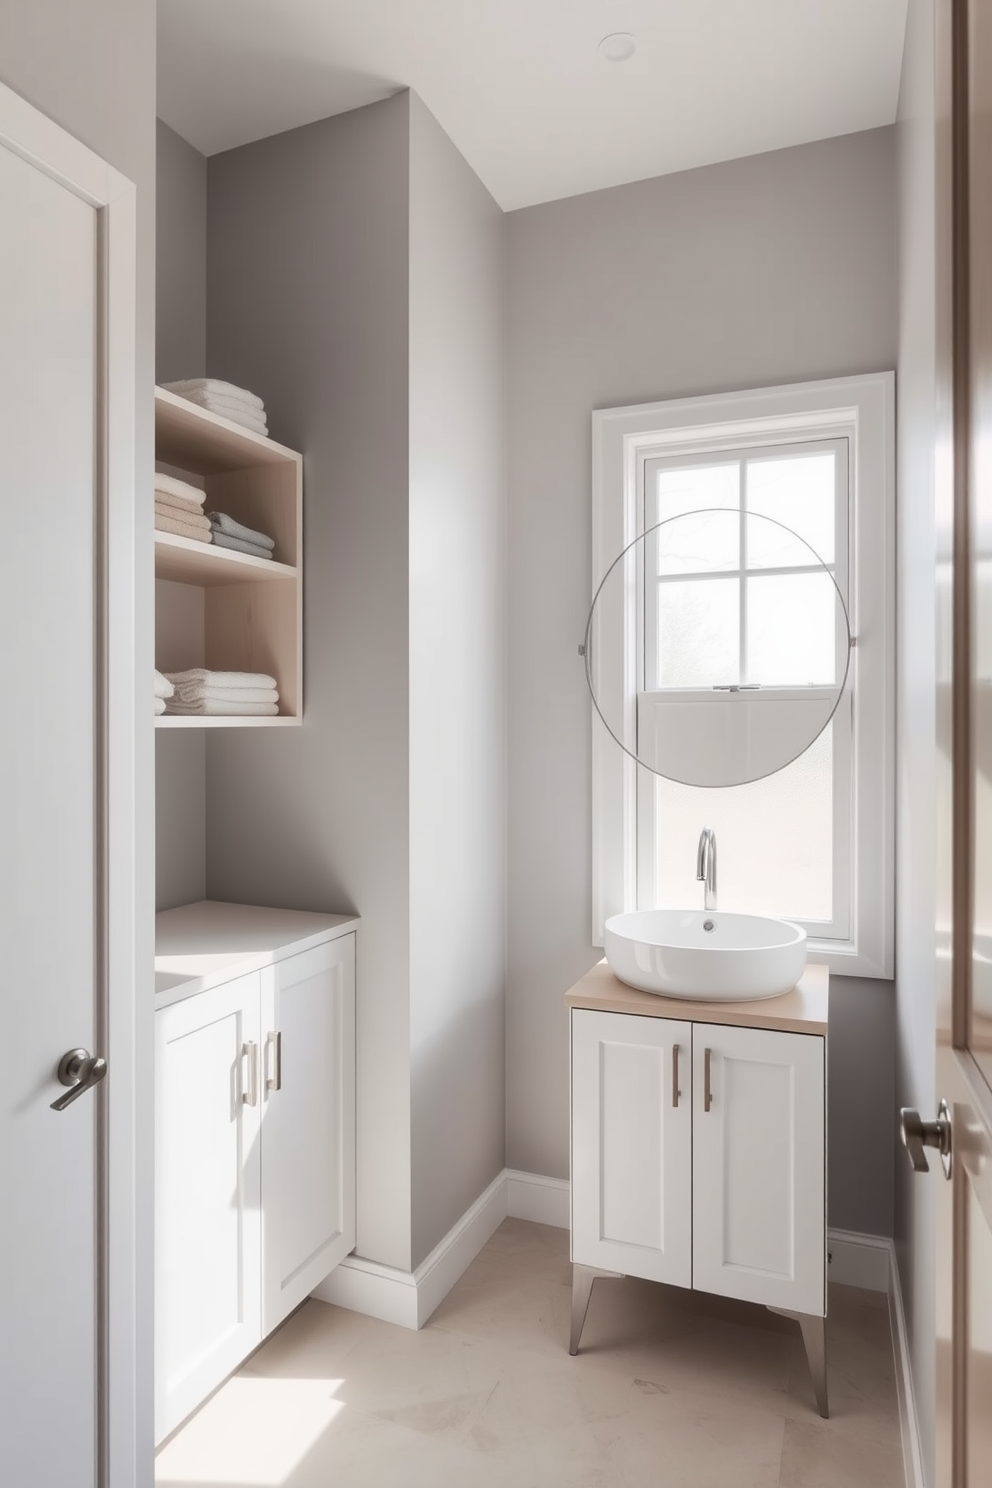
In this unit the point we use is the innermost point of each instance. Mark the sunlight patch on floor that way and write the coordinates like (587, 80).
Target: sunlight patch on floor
(253, 1433)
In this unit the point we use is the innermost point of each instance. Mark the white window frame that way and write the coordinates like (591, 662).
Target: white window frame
(862, 410)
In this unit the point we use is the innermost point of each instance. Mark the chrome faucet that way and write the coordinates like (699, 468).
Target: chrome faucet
(706, 866)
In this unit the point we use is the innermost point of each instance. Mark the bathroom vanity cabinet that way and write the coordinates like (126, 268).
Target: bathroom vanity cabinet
(255, 1132)
(698, 1149)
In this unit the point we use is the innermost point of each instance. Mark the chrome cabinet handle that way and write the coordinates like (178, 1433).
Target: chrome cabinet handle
(80, 1070)
(917, 1135)
(707, 1092)
(676, 1092)
(274, 1042)
(250, 1096)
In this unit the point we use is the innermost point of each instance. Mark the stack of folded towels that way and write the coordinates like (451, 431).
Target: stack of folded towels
(227, 533)
(163, 690)
(222, 693)
(179, 508)
(223, 398)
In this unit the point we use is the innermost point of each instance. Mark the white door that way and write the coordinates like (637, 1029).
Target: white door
(64, 348)
(308, 1125)
(758, 1171)
(961, 1178)
(632, 1145)
(207, 1193)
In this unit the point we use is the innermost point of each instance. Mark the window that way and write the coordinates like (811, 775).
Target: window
(731, 617)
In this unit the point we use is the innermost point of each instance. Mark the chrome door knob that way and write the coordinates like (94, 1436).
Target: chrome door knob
(80, 1070)
(917, 1135)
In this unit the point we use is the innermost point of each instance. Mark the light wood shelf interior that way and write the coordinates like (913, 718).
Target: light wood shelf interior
(217, 608)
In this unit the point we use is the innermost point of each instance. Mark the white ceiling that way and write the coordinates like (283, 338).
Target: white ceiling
(520, 86)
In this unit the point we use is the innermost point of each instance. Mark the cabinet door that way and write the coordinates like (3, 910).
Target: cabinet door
(631, 1145)
(308, 1126)
(758, 1166)
(207, 1194)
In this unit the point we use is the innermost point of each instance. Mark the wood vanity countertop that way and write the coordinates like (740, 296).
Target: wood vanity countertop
(803, 1010)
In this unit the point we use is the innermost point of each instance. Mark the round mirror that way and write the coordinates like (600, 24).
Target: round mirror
(718, 645)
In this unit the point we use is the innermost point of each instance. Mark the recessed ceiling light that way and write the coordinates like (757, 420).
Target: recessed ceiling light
(618, 47)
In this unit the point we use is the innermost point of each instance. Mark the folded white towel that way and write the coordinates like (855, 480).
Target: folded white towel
(159, 705)
(173, 486)
(221, 522)
(180, 503)
(215, 387)
(180, 528)
(163, 687)
(197, 692)
(254, 550)
(220, 404)
(221, 679)
(182, 514)
(220, 707)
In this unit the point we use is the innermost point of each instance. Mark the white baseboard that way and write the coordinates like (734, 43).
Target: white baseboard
(542, 1200)
(859, 1260)
(909, 1421)
(408, 1298)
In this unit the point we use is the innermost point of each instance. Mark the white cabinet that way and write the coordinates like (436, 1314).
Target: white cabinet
(758, 1220)
(255, 1172)
(207, 1194)
(632, 1145)
(698, 1156)
(308, 1123)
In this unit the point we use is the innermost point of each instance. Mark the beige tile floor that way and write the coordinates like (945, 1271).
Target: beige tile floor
(670, 1389)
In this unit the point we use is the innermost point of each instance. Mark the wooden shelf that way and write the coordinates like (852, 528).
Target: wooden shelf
(186, 561)
(238, 720)
(190, 437)
(217, 608)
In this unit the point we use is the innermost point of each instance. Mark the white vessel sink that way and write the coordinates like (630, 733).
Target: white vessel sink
(706, 955)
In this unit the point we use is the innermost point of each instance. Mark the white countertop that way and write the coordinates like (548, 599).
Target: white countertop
(204, 944)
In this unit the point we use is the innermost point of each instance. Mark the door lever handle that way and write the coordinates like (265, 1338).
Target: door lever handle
(80, 1070)
(917, 1135)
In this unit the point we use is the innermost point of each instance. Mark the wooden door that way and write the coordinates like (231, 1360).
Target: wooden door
(308, 1124)
(207, 1193)
(758, 1201)
(964, 718)
(632, 1145)
(67, 1177)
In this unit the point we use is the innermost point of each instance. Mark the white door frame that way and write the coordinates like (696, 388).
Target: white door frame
(124, 1427)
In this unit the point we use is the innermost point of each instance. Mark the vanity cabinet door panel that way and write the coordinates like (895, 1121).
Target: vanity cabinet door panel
(758, 1166)
(207, 1194)
(632, 1145)
(308, 1124)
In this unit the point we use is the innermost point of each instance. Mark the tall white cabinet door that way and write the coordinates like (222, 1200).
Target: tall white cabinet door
(308, 1127)
(207, 1193)
(758, 1166)
(632, 1145)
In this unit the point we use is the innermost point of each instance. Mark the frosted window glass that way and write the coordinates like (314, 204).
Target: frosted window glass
(774, 840)
(698, 630)
(799, 492)
(697, 486)
(697, 543)
(792, 630)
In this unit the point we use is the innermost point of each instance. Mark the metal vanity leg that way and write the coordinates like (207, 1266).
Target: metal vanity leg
(582, 1280)
(814, 1330)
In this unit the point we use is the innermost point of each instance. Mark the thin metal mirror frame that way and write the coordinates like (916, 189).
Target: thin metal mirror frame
(587, 647)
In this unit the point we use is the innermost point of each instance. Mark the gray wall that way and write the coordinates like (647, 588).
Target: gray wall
(355, 282)
(457, 684)
(916, 834)
(308, 301)
(771, 269)
(91, 68)
(180, 351)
